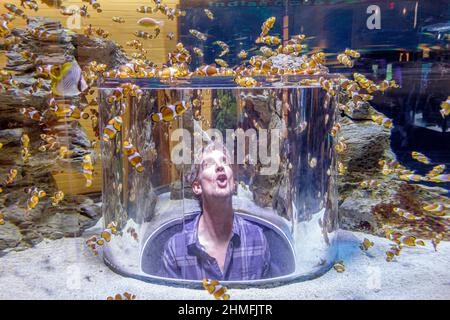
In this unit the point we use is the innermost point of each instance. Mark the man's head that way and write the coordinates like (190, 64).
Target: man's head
(212, 176)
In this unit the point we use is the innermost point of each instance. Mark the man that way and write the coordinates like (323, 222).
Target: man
(217, 244)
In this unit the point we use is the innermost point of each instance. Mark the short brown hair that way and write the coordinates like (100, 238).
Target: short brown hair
(196, 166)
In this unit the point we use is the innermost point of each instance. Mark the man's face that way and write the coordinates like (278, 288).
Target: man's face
(215, 178)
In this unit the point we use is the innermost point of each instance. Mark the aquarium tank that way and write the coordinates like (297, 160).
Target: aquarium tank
(192, 141)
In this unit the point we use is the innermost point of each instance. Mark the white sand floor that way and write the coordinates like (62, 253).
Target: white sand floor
(65, 269)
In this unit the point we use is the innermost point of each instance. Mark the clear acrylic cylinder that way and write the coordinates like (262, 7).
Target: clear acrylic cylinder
(278, 135)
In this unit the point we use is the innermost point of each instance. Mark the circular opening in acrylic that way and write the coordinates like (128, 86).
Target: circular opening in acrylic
(283, 217)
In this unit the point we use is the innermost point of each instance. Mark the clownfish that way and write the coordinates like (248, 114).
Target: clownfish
(173, 111)
(209, 14)
(57, 198)
(382, 121)
(334, 131)
(352, 53)
(133, 156)
(436, 209)
(339, 266)
(340, 147)
(393, 252)
(112, 128)
(420, 157)
(87, 169)
(436, 170)
(405, 214)
(267, 26)
(445, 108)
(31, 113)
(124, 296)
(326, 85)
(35, 195)
(216, 289)
(269, 40)
(345, 60)
(342, 169)
(439, 178)
(63, 152)
(197, 34)
(366, 244)
(245, 81)
(12, 173)
(369, 184)
(2, 219)
(206, 70)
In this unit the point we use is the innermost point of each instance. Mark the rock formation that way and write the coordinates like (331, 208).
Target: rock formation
(75, 213)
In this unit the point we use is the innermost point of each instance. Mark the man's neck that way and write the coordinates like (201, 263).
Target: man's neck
(216, 222)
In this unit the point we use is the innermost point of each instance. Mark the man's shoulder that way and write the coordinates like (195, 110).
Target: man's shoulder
(249, 228)
(248, 224)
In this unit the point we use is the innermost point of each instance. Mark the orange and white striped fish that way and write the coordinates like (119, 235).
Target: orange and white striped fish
(198, 34)
(436, 170)
(334, 131)
(92, 244)
(216, 289)
(327, 85)
(366, 244)
(410, 177)
(124, 296)
(386, 84)
(112, 128)
(339, 266)
(342, 169)
(369, 184)
(76, 113)
(382, 121)
(35, 195)
(245, 81)
(420, 157)
(445, 107)
(242, 54)
(437, 209)
(87, 169)
(405, 214)
(133, 156)
(63, 152)
(50, 142)
(12, 173)
(267, 26)
(440, 178)
(172, 111)
(57, 198)
(345, 60)
(340, 147)
(409, 240)
(25, 141)
(31, 113)
(206, 70)
(269, 40)
(2, 219)
(392, 253)
(352, 53)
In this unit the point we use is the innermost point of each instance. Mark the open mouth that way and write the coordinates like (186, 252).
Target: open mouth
(222, 180)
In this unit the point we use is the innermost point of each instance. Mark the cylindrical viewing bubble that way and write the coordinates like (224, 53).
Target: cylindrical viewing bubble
(205, 179)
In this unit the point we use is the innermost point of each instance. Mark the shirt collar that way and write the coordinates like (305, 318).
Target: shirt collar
(191, 231)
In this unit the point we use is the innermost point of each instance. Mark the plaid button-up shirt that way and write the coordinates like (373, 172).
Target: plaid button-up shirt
(247, 256)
